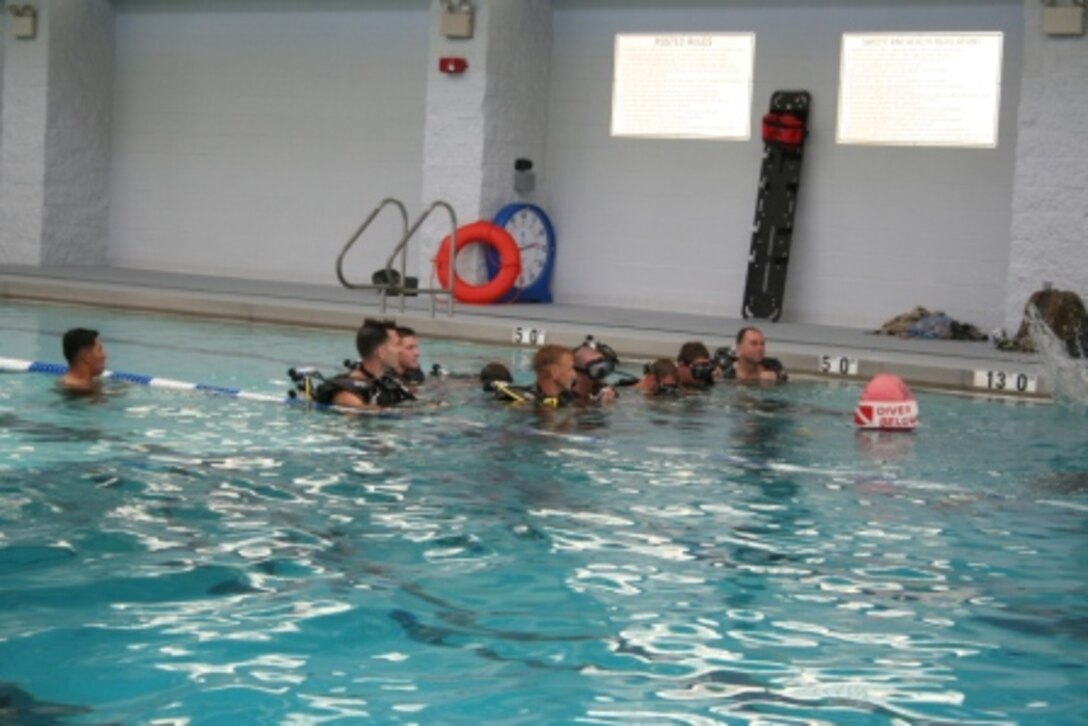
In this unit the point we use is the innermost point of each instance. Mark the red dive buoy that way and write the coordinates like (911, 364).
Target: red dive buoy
(495, 237)
(886, 404)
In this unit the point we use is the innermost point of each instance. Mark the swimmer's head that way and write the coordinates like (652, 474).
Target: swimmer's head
(494, 372)
(387, 323)
(83, 348)
(554, 363)
(695, 365)
(665, 376)
(751, 345)
(377, 341)
(407, 349)
(594, 359)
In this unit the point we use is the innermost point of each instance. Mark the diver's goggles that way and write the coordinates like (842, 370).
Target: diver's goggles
(603, 367)
(703, 372)
(599, 369)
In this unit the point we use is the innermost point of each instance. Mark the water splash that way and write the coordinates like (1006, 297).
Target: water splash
(1068, 374)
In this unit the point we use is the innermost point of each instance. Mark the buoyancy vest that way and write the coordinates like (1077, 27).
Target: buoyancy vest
(383, 391)
(768, 364)
(530, 395)
(413, 377)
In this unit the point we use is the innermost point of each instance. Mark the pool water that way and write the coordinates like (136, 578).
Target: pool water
(740, 556)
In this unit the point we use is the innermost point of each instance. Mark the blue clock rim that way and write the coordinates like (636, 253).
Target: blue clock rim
(539, 289)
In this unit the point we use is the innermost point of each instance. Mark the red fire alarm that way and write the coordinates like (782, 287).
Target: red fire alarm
(452, 65)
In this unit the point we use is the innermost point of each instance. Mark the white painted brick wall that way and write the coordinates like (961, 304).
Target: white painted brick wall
(1050, 202)
(667, 224)
(453, 136)
(479, 122)
(22, 147)
(77, 149)
(252, 140)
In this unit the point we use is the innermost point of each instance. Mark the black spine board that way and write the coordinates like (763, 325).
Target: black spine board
(776, 202)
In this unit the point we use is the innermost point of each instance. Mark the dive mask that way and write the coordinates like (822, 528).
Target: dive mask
(703, 372)
(599, 369)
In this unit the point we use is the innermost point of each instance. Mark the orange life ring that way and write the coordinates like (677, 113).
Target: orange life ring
(485, 233)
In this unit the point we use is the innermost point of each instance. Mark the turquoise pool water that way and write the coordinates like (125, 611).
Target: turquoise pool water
(735, 557)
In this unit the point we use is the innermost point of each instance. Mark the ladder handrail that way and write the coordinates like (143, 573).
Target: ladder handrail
(401, 248)
(358, 234)
(402, 245)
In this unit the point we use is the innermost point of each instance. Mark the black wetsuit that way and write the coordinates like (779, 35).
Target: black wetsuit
(768, 364)
(384, 391)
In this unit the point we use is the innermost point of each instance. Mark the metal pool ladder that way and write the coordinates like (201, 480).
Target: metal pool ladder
(393, 285)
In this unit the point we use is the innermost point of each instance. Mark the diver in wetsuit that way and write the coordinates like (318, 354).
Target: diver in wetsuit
(370, 383)
(554, 369)
(662, 378)
(694, 366)
(593, 363)
(750, 362)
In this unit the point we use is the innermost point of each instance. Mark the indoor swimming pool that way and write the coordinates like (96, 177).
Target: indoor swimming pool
(729, 557)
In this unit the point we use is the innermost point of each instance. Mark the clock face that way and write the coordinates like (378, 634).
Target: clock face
(531, 234)
(534, 236)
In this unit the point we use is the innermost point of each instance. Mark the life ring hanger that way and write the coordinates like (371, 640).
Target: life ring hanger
(499, 240)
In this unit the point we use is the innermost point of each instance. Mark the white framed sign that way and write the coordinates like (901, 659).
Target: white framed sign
(920, 89)
(683, 85)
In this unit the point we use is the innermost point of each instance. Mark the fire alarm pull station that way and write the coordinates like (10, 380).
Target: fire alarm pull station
(452, 65)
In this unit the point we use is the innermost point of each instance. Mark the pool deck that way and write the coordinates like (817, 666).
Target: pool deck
(639, 334)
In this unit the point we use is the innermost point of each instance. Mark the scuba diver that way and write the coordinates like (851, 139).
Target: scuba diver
(695, 366)
(368, 383)
(661, 379)
(553, 366)
(594, 362)
(749, 363)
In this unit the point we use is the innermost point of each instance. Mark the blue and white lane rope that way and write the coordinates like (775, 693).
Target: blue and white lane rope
(15, 365)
